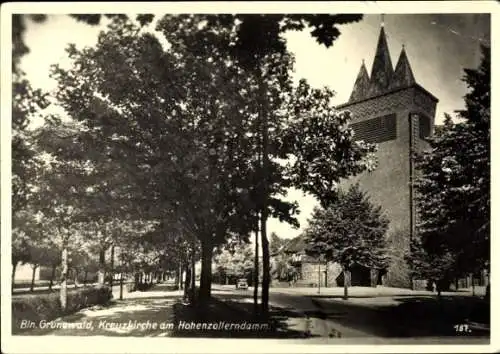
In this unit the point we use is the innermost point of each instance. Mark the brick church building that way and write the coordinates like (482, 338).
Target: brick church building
(391, 109)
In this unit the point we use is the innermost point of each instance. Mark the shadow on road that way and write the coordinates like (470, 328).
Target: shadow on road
(235, 319)
(408, 316)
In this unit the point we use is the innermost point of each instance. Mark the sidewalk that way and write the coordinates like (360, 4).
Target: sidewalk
(379, 291)
(158, 290)
(139, 314)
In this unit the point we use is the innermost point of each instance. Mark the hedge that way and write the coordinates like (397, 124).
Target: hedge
(37, 307)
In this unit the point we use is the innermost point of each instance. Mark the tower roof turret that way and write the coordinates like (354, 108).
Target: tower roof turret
(361, 86)
(403, 75)
(382, 69)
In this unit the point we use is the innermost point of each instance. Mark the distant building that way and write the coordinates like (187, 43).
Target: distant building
(311, 271)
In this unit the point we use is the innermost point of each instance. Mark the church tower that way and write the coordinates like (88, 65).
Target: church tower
(391, 109)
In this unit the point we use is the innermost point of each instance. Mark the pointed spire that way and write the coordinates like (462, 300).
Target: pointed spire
(382, 67)
(403, 75)
(361, 86)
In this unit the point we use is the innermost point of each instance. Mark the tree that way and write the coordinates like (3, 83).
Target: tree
(21, 231)
(62, 197)
(257, 40)
(172, 246)
(197, 138)
(453, 191)
(258, 37)
(42, 253)
(281, 268)
(350, 231)
(432, 262)
(237, 263)
(26, 104)
(275, 243)
(180, 115)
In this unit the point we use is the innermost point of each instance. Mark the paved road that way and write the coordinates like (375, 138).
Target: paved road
(360, 320)
(372, 314)
(296, 302)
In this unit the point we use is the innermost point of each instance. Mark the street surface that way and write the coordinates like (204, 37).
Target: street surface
(325, 317)
(369, 312)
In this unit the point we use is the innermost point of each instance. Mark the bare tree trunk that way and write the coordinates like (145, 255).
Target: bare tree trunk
(121, 285)
(265, 264)
(52, 276)
(33, 273)
(112, 265)
(265, 196)
(319, 277)
(63, 292)
(136, 280)
(179, 279)
(75, 277)
(85, 277)
(207, 249)
(193, 273)
(346, 282)
(102, 264)
(187, 282)
(256, 272)
(14, 267)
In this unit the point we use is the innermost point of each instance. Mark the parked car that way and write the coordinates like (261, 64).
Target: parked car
(242, 284)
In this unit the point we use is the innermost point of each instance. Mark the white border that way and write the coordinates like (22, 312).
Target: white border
(21, 344)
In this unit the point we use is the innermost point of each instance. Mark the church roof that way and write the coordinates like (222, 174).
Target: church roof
(361, 86)
(403, 75)
(383, 78)
(382, 70)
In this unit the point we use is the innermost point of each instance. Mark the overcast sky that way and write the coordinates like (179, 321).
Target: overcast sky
(438, 48)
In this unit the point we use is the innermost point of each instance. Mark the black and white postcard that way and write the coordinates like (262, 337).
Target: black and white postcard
(248, 177)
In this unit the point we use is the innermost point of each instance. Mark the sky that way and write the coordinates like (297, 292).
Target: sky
(438, 47)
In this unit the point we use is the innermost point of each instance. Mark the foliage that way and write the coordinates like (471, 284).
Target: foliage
(350, 231)
(321, 144)
(21, 231)
(237, 263)
(27, 102)
(275, 243)
(39, 307)
(453, 197)
(282, 268)
(176, 133)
